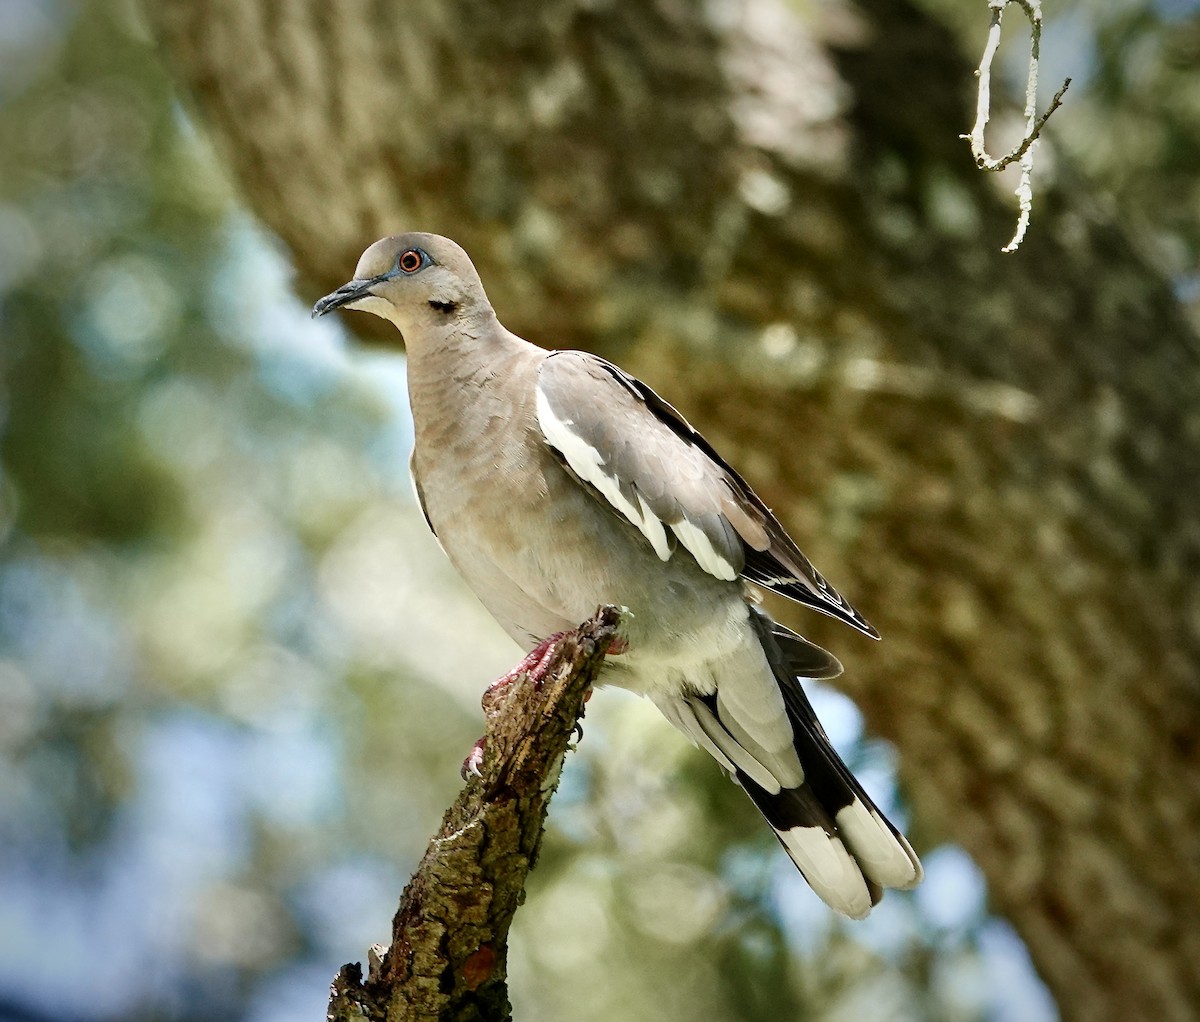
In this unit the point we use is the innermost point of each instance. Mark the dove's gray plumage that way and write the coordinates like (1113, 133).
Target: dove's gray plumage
(556, 482)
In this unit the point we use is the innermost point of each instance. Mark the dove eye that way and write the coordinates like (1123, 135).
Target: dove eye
(410, 260)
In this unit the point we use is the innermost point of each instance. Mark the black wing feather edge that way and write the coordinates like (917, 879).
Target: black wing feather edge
(782, 566)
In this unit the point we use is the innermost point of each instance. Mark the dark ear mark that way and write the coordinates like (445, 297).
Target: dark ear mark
(446, 307)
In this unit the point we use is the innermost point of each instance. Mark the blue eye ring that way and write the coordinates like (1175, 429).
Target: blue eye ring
(411, 260)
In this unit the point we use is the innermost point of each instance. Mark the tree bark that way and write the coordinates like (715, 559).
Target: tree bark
(449, 952)
(773, 220)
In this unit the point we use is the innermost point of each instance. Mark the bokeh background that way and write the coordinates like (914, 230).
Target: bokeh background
(236, 675)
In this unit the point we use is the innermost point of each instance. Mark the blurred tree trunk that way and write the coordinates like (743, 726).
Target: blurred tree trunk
(771, 217)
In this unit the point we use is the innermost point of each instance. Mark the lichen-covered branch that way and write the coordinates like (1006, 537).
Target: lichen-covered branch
(448, 956)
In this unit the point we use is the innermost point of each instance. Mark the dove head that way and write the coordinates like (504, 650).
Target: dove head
(417, 281)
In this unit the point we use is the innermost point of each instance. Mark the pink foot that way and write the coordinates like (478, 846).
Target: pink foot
(532, 666)
(474, 760)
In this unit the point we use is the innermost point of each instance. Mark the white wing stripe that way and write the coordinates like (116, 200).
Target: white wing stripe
(702, 549)
(587, 463)
(653, 528)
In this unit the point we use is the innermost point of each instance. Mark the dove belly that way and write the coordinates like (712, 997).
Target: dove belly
(542, 557)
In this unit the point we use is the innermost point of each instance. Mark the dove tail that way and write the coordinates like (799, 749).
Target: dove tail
(845, 847)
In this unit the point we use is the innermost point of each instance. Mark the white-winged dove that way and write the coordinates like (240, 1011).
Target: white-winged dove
(555, 482)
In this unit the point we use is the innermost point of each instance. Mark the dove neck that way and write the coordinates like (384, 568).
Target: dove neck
(454, 375)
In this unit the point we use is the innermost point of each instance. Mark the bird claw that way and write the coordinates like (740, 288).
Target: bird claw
(533, 666)
(474, 760)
